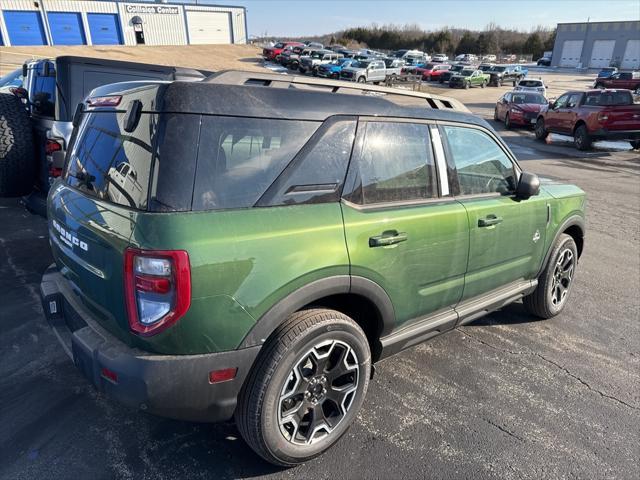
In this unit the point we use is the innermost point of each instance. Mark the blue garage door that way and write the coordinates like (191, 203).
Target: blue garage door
(104, 29)
(66, 28)
(24, 28)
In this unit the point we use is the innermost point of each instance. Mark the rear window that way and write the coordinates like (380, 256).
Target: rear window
(530, 83)
(43, 92)
(110, 164)
(609, 99)
(239, 158)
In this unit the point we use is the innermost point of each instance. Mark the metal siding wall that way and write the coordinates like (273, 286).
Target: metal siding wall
(621, 32)
(239, 35)
(159, 29)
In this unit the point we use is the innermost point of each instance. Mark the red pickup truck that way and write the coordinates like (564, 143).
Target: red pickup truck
(270, 53)
(628, 80)
(591, 116)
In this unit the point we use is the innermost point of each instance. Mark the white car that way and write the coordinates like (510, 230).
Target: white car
(489, 58)
(440, 57)
(531, 85)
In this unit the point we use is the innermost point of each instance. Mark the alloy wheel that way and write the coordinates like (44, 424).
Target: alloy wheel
(318, 392)
(562, 277)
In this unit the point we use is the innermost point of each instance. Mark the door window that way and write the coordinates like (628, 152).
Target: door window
(574, 99)
(481, 166)
(561, 102)
(396, 164)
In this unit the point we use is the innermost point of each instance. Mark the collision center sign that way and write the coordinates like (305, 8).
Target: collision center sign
(153, 9)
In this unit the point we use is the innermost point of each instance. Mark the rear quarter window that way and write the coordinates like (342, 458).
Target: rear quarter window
(239, 158)
(110, 164)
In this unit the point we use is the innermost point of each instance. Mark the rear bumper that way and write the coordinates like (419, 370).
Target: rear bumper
(615, 134)
(173, 386)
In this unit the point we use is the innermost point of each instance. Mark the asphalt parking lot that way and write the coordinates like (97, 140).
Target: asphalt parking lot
(504, 397)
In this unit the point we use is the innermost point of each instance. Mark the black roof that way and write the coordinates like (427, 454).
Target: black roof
(281, 96)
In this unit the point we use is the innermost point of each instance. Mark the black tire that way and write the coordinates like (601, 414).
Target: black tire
(263, 397)
(544, 301)
(441, 80)
(541, 132)
(335, 76)
(635, 144)
(599, 85)
(581, 138)
(467, 85)
(495, 114)
(507, 122)
(17, 152)
(362, 80)
(483, 84)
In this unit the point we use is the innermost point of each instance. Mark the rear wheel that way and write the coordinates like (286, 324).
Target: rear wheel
(555, 281)
(635, 144)
(440, 80)
(17, 153)
(483, 84)
(307, 387)
(541, 132)
(581, 138)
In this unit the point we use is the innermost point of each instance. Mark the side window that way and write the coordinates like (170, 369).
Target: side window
(317, 173)
(561, 102)
(239, 158)
(43, 92)
(481, 165)
(574, 99)
(625, 76)
(395, 164)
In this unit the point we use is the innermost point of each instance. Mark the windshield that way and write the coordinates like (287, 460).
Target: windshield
(520, 98)
(498, 69)
(485, 68)
(457, 68)
(279, 45)
(466, 73)
(609, 99)
(12, 79)
(360, 64)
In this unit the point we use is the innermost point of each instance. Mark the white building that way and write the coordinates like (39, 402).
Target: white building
(98, 22)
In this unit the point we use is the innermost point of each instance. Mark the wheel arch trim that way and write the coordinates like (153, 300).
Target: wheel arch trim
(572, 221)
(316, 290)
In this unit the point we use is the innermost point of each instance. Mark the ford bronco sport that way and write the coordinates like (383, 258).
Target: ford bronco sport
(251, 244)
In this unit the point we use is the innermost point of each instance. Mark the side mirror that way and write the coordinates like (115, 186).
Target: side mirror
(528, 186)
(20, 92)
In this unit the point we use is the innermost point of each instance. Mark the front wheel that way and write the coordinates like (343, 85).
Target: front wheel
(541, 132)
(581, 138)
(467, 85)
(507, 122)
(495, 114)
(635, 144)
(555, 281)
(362, 80)
(306, 388)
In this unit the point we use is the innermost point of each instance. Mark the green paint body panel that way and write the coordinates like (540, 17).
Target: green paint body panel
(423, 274)
(245, 261)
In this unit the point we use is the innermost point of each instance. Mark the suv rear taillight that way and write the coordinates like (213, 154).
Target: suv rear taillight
(157, 287)
(52, 146)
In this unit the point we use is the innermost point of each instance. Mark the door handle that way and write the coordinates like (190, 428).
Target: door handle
(390, 237)
(489, 221)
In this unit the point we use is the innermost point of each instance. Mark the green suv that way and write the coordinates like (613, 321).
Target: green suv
(250, 245)
(469, 78)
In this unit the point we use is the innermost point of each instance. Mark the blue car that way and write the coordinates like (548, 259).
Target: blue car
(606, 72)
(333, 69)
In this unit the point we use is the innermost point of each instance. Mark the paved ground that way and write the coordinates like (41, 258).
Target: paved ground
(505, 397)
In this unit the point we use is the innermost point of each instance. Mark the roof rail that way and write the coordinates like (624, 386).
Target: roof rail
(277, 80)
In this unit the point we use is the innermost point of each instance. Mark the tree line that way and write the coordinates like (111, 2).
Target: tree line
(492, 39)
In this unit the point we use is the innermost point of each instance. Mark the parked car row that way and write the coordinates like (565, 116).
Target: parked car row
(605, 114)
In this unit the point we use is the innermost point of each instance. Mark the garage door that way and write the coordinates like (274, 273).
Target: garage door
(602, 53)
(571, 52)
(24, 28)
(66, 28)
(104, 29)
(631, 57)
(208, 27)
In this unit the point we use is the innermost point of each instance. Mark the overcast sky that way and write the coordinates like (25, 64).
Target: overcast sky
(310, 17)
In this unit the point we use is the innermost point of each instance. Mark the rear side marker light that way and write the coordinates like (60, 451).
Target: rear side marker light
(224, 375)
(157, 288)
(109, 375)
(110, 101)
